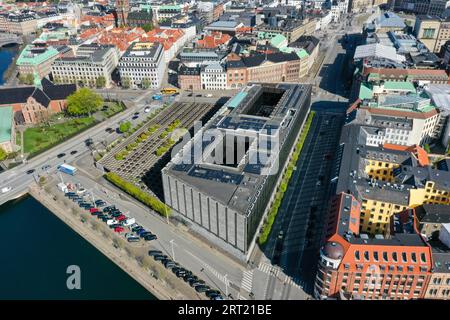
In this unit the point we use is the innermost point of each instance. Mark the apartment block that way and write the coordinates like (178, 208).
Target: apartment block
(143, 65)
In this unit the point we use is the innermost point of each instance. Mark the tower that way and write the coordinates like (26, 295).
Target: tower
(123, 8)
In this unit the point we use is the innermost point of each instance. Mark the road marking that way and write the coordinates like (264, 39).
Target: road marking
(247, 280)
(269, 269)
(210, 269)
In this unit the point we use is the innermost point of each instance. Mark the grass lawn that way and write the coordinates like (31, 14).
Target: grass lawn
(113, 108)
(43, 137)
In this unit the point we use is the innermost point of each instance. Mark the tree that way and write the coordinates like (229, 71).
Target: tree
(125, 126)
(146, 83)
(3, 154)
(83, 101)
(147, 27)
(26, 78)
(100, 82)
(126, 82)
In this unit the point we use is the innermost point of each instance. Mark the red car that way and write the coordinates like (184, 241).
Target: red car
(121, 217)
(118, 229)
(93, 210)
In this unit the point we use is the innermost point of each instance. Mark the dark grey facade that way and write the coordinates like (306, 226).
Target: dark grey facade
(229, 199)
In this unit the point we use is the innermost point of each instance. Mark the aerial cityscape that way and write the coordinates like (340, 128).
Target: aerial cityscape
(225, 150)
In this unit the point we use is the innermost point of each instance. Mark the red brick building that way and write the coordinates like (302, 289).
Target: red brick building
(33, 104)
(189, 78)
(353, 266)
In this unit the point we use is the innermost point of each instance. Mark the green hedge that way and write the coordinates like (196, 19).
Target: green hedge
(267, 227)
(140, 195)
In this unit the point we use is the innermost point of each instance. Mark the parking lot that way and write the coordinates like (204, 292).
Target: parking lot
(297, 230)
(124, 224)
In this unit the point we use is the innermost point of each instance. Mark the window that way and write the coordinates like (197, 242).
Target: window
(394, 256)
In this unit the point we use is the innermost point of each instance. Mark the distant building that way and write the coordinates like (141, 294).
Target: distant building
(140, 18)
(189, 78)
(432, 31)
(37, 60)
(90, 63)
(143, 62)
(213, 77)
(34, 104)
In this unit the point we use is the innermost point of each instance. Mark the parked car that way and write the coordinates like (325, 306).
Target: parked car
(6, 189)
(154, 252)
(159, 257)
(150, 237)
(212, 293)
(129, 222)
(201, 288)
(147, 109)
(111, 222)
(118, 229)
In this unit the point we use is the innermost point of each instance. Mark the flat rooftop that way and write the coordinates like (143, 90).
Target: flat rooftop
(242, 149)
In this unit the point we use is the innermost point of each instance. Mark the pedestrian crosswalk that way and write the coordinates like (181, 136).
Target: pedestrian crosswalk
(269, 269)
(247, 280)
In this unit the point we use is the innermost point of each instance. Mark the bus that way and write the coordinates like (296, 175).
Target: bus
(67, 169)
(169, 91)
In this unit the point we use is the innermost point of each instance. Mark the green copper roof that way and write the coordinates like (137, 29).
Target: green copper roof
(302, 53)
(6, 119)
(278, 41)
(170, 7)
(27, 58)
(365, 91)
(237, 99)
(399, 86)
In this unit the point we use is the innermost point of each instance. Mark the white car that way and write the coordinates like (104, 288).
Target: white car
(6, 189)
(147, 110)
(209, 95)
(129, 222)
(111, 221)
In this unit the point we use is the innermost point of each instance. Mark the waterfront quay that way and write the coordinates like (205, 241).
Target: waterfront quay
(132, 259)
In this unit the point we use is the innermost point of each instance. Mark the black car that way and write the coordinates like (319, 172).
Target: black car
(136, 113)
(73, 152)
(150, 237)
(212, 293)
(105, 218)
(198, 95)
(196, 282)
(70, 194)
(88, 142)
(61, 155)
(137, 228)
(189, 277)
(169, 263)
(115, 225)
(146, 233)
(159, 257)
(134, 117)
(190, 95)
(201, 288)
(109, 130)
(154, 252)
(30, 171)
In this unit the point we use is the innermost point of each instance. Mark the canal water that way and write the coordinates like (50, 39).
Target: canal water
(7, 55)
(36, 248)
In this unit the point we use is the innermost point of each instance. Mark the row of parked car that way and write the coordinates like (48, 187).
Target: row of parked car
(112, 216)
(187, 275)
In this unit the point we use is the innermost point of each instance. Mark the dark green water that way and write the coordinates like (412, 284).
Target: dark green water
(36, 249)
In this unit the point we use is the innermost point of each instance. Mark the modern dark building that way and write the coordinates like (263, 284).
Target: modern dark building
(223, 184)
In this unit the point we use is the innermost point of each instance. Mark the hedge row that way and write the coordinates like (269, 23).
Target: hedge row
(267, 227)
(137, 193)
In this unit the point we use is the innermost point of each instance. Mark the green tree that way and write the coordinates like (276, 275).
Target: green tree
(26, 78)
(126, 82)
(125, 126)
(100, 82)
(147, 27)
(3, 154)
(83, 101)
(145, 83)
